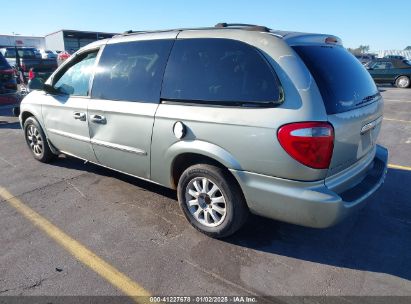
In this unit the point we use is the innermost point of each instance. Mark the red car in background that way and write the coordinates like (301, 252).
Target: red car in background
(62, 56)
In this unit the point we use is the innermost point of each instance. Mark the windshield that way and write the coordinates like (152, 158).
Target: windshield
(343, 81)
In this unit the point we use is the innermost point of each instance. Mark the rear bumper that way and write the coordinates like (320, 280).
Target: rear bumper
(316, 204)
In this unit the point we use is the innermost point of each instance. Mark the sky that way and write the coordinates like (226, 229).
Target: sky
(378, 23)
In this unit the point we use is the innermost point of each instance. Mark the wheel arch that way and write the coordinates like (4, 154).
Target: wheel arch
(24, 115)
(31, 112)
(185, 154)
(31, 109)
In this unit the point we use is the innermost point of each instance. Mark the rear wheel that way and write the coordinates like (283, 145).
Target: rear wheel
(37, 141)
(402, 82)
(211, 200)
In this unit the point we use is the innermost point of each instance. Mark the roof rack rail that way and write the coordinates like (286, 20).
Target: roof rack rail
(249, 27)
(129, 32)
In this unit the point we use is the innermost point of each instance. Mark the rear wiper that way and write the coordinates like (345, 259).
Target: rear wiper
(369, 98)
(258, 104)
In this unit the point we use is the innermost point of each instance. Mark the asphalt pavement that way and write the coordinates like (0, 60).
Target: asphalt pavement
(133, 232)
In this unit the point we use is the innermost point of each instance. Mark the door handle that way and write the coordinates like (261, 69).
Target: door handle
(100, 119)
(79, 116)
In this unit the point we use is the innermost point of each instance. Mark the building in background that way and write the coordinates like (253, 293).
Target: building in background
(382, 54)
(71, 40)
(63, 40)
(18, 40)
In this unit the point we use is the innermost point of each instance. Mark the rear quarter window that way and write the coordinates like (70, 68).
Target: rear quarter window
(342, 80)
(218, 71)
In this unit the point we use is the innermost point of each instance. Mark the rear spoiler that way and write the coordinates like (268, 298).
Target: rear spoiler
(311, 39)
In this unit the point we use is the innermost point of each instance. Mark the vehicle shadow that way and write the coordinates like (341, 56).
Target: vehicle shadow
(77, 164)
(375, 239)
(9, 125)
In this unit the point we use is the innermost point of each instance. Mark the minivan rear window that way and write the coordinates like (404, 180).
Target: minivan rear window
(343, 82)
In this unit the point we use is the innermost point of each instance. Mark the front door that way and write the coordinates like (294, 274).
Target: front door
(65, 111)
(125, 97)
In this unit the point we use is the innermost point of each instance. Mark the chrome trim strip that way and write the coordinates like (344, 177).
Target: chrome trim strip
(99, 142)
(371, 125)
(118, 147)
(69, 135)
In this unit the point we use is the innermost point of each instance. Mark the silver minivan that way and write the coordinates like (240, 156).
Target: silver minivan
(237, 118)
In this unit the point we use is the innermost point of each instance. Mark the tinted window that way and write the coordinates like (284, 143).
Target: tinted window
(3, 63)
(388, 65)
(75, 80)
(23, 53)
(381, 65)
(132, 71)
(10, 53)
(218, 70)
(343, 82)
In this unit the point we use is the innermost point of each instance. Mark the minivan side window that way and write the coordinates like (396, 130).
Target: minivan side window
(132, 71)
(218, 71)
(75, 79)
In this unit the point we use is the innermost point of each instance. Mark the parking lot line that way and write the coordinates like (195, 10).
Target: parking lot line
(399, 120)
(397, 100)
(392, 166)
(79, 251)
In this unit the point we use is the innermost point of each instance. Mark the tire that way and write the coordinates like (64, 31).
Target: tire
(37, 141)
(402, 82)
(211, 200)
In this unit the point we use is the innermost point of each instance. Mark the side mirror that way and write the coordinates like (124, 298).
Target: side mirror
(49, 89)
(36, 84)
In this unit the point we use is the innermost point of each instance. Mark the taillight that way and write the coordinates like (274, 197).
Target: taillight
(310, 143)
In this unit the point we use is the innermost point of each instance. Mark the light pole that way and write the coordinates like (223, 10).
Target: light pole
(18, 63)
(15, 49)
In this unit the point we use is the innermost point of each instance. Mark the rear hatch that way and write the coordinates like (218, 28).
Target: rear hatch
(353, 103)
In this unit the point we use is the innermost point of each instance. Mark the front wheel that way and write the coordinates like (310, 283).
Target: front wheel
(211, 200)
(402, 82)
(37, 141)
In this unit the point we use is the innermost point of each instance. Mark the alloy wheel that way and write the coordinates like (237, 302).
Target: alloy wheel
(35, 140)
(205, 201)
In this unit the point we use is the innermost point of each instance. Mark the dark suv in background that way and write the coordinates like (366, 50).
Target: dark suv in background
(8, 83)
(29, 59)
